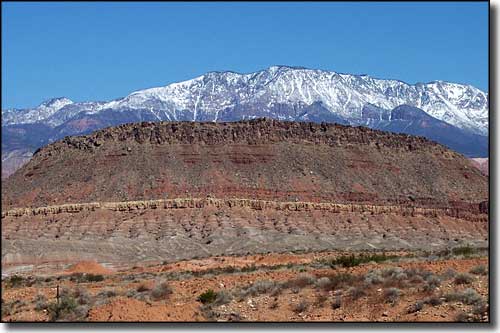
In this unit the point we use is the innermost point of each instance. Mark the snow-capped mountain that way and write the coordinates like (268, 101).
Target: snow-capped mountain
(453, 114)
(281, 92)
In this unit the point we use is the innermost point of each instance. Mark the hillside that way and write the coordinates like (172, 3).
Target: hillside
(259, 159)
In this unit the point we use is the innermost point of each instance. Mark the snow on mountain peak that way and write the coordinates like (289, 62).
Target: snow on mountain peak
(226, 95)
(56, 103)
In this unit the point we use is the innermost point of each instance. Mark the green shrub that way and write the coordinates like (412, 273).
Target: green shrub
(463, 251)
(62, 309)
(355, 260)
(207, 297)
(86, 277)
(15, 281)
(94, 277)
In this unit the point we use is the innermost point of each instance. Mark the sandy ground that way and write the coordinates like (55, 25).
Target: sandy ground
(187, 280)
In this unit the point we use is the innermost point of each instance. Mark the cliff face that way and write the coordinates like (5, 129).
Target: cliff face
(260, 159)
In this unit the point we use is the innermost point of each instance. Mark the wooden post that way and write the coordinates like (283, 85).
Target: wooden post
(57, 295)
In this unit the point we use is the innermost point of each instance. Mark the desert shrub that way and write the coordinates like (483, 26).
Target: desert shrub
(411, 272)
(480, 308)
(433, 300)
(107, 293)
(41, 302)
(223, 297)
(468, 296)
(462, 317)
(302, 280)
(300, 307)
(355, 260)
(449, 274)
(416, 279)
(337, 302)
(15, 281)
(250, 268)
(431, 283)
(274, 305)
(277, 289)
(132, 293)
(394, 276)
(415, 307)
(208, 312)
(320, 299)
(355, 292)
(7, 308)
(235, 316)
(142, 288)
(86, 277)
(391, 271)
(463, 251)
(324, 283)
(64, 309)
(453, 296)
(207, 297)
(261, 287)
(94, 277)
(161, 290)
(342, 279)
(81, 295)
(391, 295)
(463, 278)
(479, 270)
(374, 277)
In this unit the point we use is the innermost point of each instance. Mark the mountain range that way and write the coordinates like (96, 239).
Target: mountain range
(455, 115)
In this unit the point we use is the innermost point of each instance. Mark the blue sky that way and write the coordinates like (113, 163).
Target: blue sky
(102, 51)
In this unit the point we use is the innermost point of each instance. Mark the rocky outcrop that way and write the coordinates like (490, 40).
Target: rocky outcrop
(252, 132)
(475, 212)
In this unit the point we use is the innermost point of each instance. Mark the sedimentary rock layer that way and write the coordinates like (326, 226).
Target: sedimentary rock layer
(179, 229)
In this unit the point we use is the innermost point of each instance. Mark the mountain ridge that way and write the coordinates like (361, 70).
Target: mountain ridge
(277, 72)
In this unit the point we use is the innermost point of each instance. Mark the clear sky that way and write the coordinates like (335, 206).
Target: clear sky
(102, 51)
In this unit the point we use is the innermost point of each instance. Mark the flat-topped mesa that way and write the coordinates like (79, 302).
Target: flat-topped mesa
(248, 132)
(257, 159)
